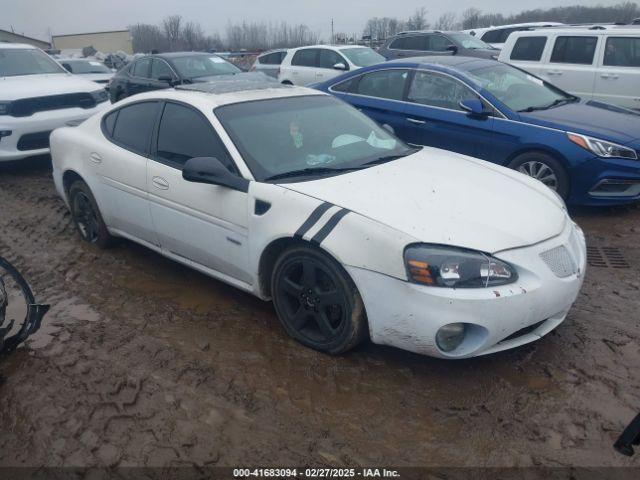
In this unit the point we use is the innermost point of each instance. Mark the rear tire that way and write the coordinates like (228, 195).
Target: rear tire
(545, 168)
(87, 217)
(317, 302)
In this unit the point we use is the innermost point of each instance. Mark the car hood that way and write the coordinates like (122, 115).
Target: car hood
(592, 118)
(29, 86)
(441, 197)
(490, 53)
(97, 77)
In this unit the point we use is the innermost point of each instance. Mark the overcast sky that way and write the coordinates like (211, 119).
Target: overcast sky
(38, 18)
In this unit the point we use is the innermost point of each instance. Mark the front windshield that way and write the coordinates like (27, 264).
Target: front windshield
(197, 66)
(26, 61)
(517, 89)
(306, 136)
(86, 66)
(467, 41)
(362, 57)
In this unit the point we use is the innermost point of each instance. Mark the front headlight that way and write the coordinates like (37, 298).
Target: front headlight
(602, 148)
(442, 266)
(5, 108)
(100, 95)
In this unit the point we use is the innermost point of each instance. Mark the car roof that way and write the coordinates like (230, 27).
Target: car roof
(440, 60)
(240, 88)
(180, 54)
(17, 45)
(581, 29)
(335, 47)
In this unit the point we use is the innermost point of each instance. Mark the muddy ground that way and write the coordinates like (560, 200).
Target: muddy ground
(144, 362)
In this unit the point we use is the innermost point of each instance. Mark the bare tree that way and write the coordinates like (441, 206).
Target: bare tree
(418, 21)
(446, 21)
(471, 18)
(193, 36)
(147, 38)
(172, 26)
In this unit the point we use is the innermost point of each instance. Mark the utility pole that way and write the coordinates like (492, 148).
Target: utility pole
(333, 39)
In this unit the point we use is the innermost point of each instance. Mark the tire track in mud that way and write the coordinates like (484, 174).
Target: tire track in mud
(145, 362)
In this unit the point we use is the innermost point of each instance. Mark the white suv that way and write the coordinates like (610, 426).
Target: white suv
(317, 63)
(599, 63)
(37, 95)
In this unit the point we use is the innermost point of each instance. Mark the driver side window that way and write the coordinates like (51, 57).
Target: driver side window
(435, 90)
(184, 134)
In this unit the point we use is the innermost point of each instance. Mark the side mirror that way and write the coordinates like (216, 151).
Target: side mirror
(340, 66)
(452, 48)
(473, 107)
(166, 79)
(388, 128)
(210, 170)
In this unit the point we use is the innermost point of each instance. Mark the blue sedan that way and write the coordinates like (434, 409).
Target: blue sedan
(586, 151)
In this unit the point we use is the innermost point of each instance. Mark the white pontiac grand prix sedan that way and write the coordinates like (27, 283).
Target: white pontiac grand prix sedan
(294, 196)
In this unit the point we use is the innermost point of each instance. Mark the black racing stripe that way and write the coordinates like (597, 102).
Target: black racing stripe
(313, 219)
(324, 232)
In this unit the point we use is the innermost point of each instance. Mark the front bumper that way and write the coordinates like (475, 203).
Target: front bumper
(35, 130)
(602, 182)
(408, 316)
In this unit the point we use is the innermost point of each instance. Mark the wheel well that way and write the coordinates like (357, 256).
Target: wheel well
(268, 261)
(68, 179)
(551, 153)
(286, 82)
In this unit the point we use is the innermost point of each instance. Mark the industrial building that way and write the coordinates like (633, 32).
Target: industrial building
(12, 37)
(107, 42)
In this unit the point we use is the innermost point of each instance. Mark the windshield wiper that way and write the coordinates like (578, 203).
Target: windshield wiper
(309, 171)
(389, 158)
(555, 103)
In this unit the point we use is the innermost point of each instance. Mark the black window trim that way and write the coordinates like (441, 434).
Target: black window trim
(109, 137)
(156, 130)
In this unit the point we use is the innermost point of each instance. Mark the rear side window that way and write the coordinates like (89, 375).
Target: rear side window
(414, 42)
(500, 35)
(305, 58)
(528, 49)
(384, 84)
(141, 68)
(272, 58)
(347, 86)
(575, 50)
(185, 134)
(134, 125)
(622, 52)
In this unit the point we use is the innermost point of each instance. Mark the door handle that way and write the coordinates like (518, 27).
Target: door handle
(95, 158)
(609, 75)
(160, 183)
(554, 72)
(415, 121)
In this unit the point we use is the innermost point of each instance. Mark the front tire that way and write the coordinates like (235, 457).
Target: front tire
(86, 216)
(317, 302)
(545, 168)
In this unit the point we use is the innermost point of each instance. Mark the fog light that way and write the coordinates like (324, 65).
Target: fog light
(450, 336)
(4, 133)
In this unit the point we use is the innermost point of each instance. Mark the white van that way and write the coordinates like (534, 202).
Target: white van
(599, 63)
(497, 36)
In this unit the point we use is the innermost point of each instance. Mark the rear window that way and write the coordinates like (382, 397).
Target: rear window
(305, 58)
(622, 52)
(528, 49)
(272, 58)
(575, 50)
(133, 126)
